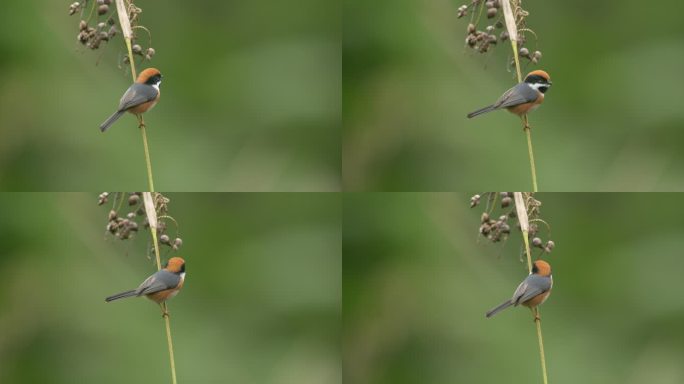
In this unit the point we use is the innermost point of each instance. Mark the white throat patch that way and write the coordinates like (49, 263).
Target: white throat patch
(156, 86)
(536, 86)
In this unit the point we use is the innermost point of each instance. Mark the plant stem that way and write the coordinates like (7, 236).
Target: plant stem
(128, 34)
(148, 162)
(513, 36)
(151, 212)
(521, 209)
(530, 152)
(148, 198)
(537, 321)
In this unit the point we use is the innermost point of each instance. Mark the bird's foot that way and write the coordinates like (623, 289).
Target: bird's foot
(165, 312)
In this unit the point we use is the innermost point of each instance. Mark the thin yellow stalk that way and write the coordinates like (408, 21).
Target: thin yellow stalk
(125, 24)
(151, 213)
(513, 36)
(148, 162)
(521, 210)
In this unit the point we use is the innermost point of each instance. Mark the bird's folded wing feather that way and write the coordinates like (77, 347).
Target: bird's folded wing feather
(520, 94)
(136, 95)
(158, 282)
(532, 286)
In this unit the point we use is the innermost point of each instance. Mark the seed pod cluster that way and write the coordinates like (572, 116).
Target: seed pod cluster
(483, 39)
(93, 33)
(93, 36)
(500, 215)
(494, 230)
(125, 226)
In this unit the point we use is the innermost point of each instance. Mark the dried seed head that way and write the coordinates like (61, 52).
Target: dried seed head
(137, 49)
(524, 52)
(133, 199)
(533, 229)
(485, 217)
(102, 9)
(537, 242)
(491, 12)
(550, 245)
(164, 239)
(471, 40)
(74, 7)
(177, 243)
(462, 11)
(485, 229)
(102, 198)
(506, 201)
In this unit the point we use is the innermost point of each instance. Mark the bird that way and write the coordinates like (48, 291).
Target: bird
(139, 98)
(160, 286)
(533, 291)
(523, 98)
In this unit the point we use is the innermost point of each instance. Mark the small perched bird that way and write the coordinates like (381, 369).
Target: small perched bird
(139, 98)
(533, 291)
(525, 97)
(161, 286)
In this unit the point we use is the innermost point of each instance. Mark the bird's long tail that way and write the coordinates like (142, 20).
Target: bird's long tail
(121, 295)
(113, 118)
(499, 308)
(481, 111)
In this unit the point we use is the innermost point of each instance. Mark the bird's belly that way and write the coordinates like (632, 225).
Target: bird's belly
(164, 295)
(523, 108)
(142, 108)
(537, 300)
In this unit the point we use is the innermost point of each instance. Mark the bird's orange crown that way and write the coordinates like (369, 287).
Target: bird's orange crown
(146, 74)
(541, 268)
(175, 265)
(539, 72)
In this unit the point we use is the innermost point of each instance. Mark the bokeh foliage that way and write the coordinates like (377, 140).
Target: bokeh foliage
(611, 122)
(261, 303)
(250, 99)
(417, 282)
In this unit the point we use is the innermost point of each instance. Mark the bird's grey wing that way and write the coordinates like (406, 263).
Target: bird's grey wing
(160, 281)
(520, 94)
(532, 286)
(136, 95)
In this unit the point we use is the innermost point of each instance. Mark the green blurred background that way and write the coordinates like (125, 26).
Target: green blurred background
(261, 303)
(417, 283)
(612, 121)
(251, 99)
